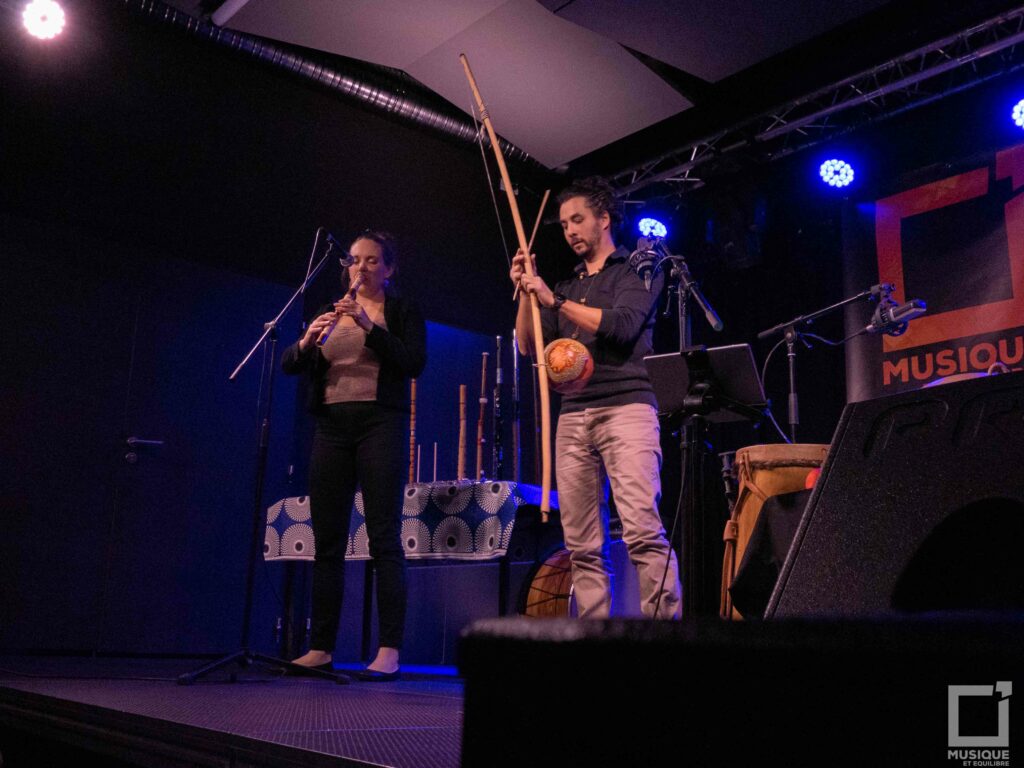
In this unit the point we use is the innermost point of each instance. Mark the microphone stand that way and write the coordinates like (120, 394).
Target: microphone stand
(878, 292)
(246, 657)
(692, 546)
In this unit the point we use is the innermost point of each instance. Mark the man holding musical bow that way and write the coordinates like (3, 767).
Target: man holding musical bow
(612, 419)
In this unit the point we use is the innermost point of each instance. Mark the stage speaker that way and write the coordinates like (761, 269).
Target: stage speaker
(919, 507)
(531, 538)
(563, 692)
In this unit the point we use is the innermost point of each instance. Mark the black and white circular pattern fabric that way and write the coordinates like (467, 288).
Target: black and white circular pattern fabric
(297, 509)
(452, 498)
(359, 543)
(271, 544)
(415, 537)
(456, 520)
(415, 499)
(274, 511)
(492, 496)
(453, 537)
(487, 538)
(297, 542)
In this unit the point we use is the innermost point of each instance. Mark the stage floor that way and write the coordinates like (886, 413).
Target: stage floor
(133, 710)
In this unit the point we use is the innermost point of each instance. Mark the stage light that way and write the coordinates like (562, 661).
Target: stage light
(1018, 114)
(43, 19)
(651, 228)
(836, 173)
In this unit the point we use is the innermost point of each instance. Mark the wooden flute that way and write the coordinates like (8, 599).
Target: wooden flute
(326, 332)
(412, 434)
(480, 439)
(460, 473)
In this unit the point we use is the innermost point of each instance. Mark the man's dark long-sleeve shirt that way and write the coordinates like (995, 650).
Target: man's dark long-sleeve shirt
(623, 338)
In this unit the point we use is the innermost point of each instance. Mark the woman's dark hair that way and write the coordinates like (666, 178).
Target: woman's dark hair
(387, 243)
(598, 194)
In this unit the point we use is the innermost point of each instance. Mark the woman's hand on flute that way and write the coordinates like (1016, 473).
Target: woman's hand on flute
(315, 328)
(354, 309)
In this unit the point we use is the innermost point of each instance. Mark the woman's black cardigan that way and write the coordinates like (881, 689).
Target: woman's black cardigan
(402, 349)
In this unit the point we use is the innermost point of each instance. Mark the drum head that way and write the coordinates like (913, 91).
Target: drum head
(547, 591)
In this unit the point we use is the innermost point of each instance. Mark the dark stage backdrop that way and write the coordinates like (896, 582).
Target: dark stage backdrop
(161, 195)
(102, 342)
(957, 241)
(132, 129)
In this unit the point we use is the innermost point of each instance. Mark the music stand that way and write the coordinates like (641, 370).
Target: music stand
(715, 385)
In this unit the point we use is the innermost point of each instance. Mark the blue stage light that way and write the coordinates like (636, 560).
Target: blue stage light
(1018, 114)
(836, 173)
(651, 228)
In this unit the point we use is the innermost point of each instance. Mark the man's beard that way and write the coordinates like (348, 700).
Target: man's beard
(589, 249)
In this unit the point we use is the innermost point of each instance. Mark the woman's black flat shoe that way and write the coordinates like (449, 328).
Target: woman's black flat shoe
(373, 676)
(300, 670)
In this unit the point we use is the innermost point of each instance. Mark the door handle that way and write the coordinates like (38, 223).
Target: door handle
(137, 441)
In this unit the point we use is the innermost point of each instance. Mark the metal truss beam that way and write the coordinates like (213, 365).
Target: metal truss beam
(939, 69)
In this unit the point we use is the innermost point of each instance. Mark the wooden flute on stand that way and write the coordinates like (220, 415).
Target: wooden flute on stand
(480, 439)
(497, 419)
(461, 471)
(412, 433)
(516, 449)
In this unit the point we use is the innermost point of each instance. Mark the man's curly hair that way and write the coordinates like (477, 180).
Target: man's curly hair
(598, 194)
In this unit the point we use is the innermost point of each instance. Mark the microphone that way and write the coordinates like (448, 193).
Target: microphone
(346, 259)
(645, 260)
(893, 318)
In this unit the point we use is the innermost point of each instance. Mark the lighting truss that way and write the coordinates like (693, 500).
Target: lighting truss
(955, 63)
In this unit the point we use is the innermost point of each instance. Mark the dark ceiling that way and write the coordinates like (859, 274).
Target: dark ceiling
(143, 133)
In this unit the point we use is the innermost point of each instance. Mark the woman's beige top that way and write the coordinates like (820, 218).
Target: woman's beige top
(352, 376)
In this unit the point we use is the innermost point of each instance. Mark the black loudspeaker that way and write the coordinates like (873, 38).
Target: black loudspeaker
(703, 693)
(919, 507)
(532, 539)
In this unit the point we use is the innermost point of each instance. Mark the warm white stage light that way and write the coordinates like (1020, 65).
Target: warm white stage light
(43, 18)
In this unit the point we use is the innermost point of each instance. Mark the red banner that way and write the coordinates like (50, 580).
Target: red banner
(958, 243)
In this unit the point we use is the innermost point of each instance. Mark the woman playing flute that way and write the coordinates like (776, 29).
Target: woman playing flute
(360, 398)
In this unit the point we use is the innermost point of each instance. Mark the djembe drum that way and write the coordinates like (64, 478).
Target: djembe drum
(762, 471)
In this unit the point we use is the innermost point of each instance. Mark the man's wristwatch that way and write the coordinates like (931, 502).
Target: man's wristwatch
(560, 299)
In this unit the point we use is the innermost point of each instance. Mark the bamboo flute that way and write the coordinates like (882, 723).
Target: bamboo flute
(516, 450)
(480, 439)
(460, 472)
(497, 418)
(412, 433)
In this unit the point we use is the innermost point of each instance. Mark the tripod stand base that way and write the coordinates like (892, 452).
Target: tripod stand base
(246, 659)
